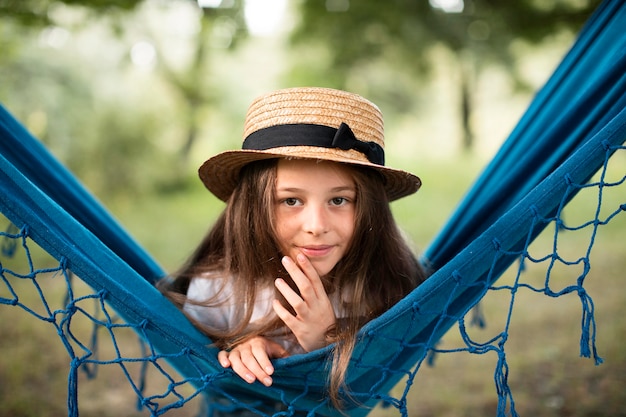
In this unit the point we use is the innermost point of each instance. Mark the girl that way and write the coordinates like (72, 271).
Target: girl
(306, 250)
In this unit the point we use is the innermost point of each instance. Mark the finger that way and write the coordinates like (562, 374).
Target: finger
(264, 363)
(276, 350)
(222, 357)
(254, 359)
(309, 271)
(239, 367)
(284, 314)
(263, 360)
(300, 278)
(290, 295)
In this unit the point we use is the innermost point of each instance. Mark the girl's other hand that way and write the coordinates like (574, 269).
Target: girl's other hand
(251, 359)
(314, 311)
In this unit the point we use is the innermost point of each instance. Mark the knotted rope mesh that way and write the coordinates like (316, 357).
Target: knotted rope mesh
(556, 265)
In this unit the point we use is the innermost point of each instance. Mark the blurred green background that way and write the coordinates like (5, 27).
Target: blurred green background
(132, 95)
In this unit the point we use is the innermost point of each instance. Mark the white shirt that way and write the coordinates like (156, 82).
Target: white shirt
(226, 314)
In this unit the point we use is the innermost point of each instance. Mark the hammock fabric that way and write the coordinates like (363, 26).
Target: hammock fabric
(571, 129)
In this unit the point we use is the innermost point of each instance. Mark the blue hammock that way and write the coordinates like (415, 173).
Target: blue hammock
(576, 122)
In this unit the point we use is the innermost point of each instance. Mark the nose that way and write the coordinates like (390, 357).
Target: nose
(315, 219)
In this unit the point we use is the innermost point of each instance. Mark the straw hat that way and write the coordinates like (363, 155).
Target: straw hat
(311, 123)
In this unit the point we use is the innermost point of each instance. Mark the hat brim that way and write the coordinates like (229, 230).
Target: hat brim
(220, 173)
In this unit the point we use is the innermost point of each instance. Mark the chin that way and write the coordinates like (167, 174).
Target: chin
(323, 270)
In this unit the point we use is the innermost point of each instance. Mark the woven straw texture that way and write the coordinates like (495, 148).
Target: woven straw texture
(308, 105)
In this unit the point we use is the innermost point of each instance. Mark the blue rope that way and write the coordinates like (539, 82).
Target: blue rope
(572, 129)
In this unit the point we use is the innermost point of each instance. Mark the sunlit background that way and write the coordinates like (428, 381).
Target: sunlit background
(132, 95)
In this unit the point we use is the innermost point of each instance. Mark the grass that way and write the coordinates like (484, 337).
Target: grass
(547, 376)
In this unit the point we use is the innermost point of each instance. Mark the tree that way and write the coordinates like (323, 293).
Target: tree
(477, 32)
(83, 103)
(191, 82)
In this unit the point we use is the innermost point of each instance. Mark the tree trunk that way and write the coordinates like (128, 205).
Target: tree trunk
(466, 105)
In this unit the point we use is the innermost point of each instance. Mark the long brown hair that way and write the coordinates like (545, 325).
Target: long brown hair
(377, 270)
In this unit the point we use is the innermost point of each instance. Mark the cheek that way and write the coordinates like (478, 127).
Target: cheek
(282, 234)
(349, 225)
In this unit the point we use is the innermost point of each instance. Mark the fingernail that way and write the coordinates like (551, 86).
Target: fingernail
(267, 381)
(269, 370)
(250, 378)
(301, 257)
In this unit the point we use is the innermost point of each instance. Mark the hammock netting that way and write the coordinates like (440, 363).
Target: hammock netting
(569, 142)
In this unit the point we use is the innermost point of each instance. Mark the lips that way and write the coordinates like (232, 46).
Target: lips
(316, 251)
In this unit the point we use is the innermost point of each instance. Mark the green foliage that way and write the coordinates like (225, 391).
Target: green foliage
(404, 33)
(368, 29)
(67, 72)
(69, 77)
(36, 12)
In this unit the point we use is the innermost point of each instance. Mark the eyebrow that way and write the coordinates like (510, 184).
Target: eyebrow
(343, 188)
(332, 190)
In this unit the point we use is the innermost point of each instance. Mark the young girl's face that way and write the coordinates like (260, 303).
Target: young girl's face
(314, 208)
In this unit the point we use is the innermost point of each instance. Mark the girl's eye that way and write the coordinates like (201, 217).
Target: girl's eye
(291, 201)
(338, 201)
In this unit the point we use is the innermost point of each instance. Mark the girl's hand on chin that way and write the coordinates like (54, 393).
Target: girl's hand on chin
(314, 311)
